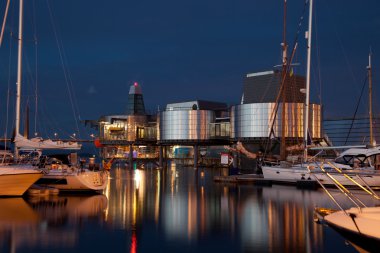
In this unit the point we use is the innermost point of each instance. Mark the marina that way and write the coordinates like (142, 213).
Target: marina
(174, 209)
(247, 152)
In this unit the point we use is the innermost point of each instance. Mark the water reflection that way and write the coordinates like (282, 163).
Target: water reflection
(180, 206)
(176, 209)
(46, 222)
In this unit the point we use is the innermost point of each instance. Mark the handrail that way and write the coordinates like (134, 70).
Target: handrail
(325, 189)
(343, 189)
(373, 194)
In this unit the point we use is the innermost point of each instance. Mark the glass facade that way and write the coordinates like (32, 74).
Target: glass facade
(127, 129)
(219, 130)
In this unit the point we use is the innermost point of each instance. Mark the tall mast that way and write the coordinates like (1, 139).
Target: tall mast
(371, 139)
(307, 97)
(19, 72)
(283, 82)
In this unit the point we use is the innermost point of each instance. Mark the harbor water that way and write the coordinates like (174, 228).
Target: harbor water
(175, 209)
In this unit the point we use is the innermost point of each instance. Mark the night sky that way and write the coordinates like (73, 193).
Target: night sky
(179, 51)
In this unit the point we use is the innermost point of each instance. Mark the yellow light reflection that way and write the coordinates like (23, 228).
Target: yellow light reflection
(157, 198)
(137, 178)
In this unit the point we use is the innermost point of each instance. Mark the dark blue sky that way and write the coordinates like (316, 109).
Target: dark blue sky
(183, 50)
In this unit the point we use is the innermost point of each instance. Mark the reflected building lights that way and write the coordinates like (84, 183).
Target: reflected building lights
(137, 179)
(133, 242)
(291, 222)
(203, 211)
(107, 193)
(191, 213)
(157, 197)
(259, 218)
(173, 177)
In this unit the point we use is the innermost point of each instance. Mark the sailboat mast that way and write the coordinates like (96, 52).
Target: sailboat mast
(372, 143)
(307, 97)
(19, 72)
(283, 82)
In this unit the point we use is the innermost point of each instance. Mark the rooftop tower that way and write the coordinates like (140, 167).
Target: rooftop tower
(135, 104)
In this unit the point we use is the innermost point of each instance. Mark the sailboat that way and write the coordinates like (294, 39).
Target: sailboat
(325, 172)
(358, 224)
(38, 143)
(71, 176)
(16, 178)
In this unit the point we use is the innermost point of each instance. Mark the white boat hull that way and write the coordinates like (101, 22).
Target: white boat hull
(360, 228)
(15, 181)
(365, 222)
(76, 181)
(295, 174)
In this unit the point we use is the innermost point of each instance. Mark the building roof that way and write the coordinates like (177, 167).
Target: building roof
(196, 105)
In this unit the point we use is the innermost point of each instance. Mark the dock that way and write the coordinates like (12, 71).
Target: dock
(258, 179)
(244, 178)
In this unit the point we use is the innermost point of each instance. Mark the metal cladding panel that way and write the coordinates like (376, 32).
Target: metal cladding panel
(264, 88)
(185, 125)
(254, 120)
(316, 121)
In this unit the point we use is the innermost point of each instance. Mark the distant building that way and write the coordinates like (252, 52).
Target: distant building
(135, 104)
(197, 124)
(253, 119)
(118, 133)
(264, 87)
(197, 105)
(190, 121)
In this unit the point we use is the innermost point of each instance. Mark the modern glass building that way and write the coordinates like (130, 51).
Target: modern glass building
(129, 132)
(189, 121)
(207, 123)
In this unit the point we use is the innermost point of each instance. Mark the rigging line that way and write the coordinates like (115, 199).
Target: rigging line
(275, 110)
(357, 107)
(50, 122)
(36, 66)
(341, 45)
(4, 22)
(62, 61)
(294, 44)
(71, 86)
(262, 98)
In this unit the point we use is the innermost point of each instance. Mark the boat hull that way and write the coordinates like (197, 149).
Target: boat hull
(359, 227)
(89, 181)
(17, 184)
(294, 174)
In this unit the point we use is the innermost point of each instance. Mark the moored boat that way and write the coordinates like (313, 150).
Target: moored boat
(293, 173)
(360, 163)
(66, 174)
(16, 179)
